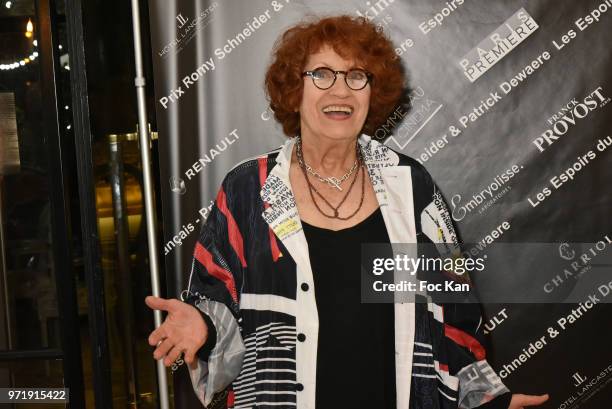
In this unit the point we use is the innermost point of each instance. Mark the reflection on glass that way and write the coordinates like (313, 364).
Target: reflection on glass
(29, 316)
(29, 301)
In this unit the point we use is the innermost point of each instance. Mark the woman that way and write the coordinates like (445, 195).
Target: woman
(288, 224)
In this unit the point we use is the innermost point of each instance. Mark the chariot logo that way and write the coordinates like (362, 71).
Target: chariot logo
(187, 29)
(498, 44)
(566, 251)
(577, 266)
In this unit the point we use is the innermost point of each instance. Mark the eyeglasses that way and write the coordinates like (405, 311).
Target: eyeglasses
(325, 78)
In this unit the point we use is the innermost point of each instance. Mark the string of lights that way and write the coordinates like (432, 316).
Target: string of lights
(20, 63)
(26, 60)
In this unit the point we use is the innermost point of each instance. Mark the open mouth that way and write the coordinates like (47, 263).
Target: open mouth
(338, 111)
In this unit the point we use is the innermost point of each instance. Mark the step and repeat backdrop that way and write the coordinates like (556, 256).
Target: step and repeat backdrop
(509, 111)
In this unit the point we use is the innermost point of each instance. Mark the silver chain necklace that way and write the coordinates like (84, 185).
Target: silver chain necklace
(331, 180)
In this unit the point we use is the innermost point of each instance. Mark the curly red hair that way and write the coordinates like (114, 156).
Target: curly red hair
(351, 38)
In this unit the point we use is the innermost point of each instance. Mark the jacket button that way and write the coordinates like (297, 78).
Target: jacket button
(305, 286)
(301, 337)
(299, 387)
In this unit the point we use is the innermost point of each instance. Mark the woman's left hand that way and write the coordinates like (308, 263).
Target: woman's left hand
(520, 401)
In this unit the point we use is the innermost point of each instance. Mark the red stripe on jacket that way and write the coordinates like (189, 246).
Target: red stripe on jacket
(235, 238)
(205, 258)
(263, 174)
(466, 340)
(230, 399)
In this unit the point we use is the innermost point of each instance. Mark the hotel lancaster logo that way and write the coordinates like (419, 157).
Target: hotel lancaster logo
(181, 20)
(586, 386)
(186, 29)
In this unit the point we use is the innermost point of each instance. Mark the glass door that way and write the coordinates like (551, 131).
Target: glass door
(73, 251)
(41, 276)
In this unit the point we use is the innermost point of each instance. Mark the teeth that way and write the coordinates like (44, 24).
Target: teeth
(338, 108)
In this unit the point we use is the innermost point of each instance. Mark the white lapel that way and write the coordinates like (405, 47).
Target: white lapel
(393, 186)
(283, 218)
(282, 215)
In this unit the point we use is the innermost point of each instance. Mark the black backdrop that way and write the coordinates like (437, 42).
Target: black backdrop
(506, 96)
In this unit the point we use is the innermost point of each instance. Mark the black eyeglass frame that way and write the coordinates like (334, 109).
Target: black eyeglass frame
(310, 74)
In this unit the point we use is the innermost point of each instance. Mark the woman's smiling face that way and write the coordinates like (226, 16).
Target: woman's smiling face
(337, 112)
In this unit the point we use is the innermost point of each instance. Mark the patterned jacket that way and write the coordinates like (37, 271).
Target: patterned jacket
(251, 277)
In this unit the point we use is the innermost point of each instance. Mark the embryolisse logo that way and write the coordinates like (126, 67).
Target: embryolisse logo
(487, 196)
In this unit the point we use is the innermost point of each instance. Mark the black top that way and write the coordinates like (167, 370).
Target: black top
(355, 355)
